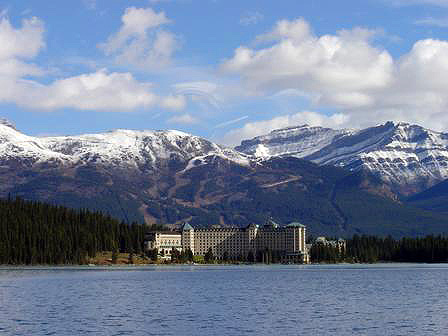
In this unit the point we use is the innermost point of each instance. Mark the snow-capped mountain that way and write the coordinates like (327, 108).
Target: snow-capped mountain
(133, 175)
(299, 141)
(142, 150)
(170, 177)
(409, 156)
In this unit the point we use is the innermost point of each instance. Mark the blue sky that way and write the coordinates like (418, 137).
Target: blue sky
(225, 70)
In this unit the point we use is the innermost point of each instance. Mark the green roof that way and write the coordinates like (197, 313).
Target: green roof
(187, 227)
(295, 224)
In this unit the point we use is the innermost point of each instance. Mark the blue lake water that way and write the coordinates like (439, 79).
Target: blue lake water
(388, 299)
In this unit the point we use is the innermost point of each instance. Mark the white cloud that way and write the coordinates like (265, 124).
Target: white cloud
(174, 102)
(251, 18)
(347, 72)
(296, 30)
(99, 90)
(431, 21)
(340, 68)
(141, 41)
(20, 45)
(95, 91)
(24, 42)
(183, 119)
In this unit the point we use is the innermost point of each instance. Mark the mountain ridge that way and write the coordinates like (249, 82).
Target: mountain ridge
(408, 157)
(171, 177)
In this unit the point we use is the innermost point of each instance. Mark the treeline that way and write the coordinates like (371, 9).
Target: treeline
(371, 249)
(38, 233)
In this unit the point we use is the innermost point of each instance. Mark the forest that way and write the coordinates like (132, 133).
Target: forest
(371, 249)
(37, 233)
(33, 232)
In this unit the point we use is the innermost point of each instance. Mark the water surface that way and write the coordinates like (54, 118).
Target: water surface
(388, 299)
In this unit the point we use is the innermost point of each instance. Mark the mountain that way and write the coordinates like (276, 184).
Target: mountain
(299, 141)
(409, 158)
(111, 171)
(329, 200)
(433, 199)
(170, 177)
(122, 149)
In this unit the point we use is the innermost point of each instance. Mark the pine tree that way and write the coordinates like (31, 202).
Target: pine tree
(208, 257)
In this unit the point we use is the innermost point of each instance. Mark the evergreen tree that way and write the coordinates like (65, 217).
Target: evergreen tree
(189, 255)
(208, 257)
(114, 256)
(131, 258)
(250, 257)
(225, 256)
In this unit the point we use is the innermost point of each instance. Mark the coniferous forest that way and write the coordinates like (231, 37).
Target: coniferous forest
(371, 249)
(37, 233)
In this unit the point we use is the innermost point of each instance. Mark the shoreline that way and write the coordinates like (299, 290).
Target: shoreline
(155, 265)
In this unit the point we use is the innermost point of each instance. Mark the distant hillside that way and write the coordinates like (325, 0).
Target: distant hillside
(408, 157)
(433, 199)
(169, 177)
(328, 200)
(38, 233)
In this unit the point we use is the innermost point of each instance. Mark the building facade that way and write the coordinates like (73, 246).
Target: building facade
(237, 243)
(340, 244)
(164, 242)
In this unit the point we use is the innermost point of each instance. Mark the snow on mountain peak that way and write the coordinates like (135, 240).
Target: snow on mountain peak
(399, 152)
(297, 141)
(6, 122)
(118, 148)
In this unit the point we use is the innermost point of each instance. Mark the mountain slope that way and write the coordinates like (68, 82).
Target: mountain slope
(140, 150)
(171, 177)
(432, 199)
(408, 157)
(111, 171)
(299, 141)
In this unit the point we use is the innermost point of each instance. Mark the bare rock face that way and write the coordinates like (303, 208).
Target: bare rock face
(408, 157)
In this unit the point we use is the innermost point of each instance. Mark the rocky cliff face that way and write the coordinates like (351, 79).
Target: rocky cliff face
(409, 157)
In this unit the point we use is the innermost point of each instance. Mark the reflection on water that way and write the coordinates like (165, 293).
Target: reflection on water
(228, 300)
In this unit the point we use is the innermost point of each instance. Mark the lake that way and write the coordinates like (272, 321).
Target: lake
(389, 299)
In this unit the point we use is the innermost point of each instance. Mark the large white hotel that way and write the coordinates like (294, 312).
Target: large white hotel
(287, 241)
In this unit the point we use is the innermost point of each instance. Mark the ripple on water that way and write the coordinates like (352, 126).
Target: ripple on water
(286, 300)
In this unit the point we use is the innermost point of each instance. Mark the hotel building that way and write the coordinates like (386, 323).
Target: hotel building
(164, 242)
(237, 243)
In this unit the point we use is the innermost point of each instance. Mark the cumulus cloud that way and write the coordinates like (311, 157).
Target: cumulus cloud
(94, 91)
(345, 71)
(99, 90)
(17, 46)
(24, 42)
(141, 41)
(340, 68)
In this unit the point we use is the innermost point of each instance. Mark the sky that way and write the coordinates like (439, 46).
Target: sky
(224, 70)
